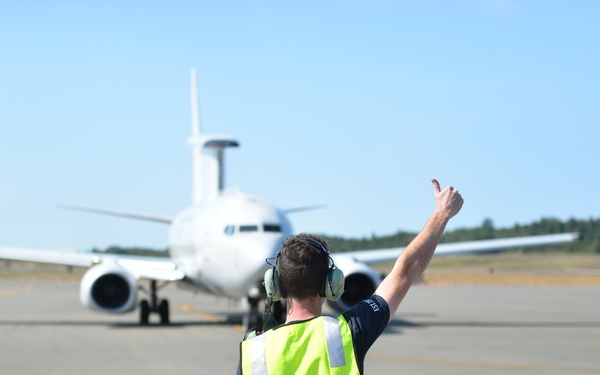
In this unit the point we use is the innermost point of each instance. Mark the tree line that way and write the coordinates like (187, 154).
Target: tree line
(589, 229)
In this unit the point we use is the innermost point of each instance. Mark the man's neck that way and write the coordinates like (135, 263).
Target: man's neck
(304, 309)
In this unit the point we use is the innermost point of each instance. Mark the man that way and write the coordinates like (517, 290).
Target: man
(305, 275)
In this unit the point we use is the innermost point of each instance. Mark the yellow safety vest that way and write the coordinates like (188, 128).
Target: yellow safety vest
(321, 345)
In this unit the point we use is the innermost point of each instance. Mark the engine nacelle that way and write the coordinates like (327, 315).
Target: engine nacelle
(360, 283)
(108, 288)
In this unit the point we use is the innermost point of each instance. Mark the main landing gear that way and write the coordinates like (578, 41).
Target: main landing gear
(154, 306)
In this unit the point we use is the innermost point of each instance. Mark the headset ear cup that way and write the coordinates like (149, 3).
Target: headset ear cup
(272, 284)
(334, 284)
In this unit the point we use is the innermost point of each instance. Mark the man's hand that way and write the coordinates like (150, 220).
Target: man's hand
(447, 201)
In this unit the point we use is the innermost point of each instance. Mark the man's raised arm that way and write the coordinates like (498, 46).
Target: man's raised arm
(413, 261)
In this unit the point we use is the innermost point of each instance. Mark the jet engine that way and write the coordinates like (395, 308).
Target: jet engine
(360, 283)
(108, 288)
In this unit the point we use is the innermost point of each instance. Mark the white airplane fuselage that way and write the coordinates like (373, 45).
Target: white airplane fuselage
(222, 243)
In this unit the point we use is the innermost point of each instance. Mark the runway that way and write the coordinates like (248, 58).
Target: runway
(438, 330)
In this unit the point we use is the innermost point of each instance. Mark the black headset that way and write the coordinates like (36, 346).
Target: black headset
(332, 287)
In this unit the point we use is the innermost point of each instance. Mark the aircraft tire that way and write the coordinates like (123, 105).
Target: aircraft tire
(163, 311)
(144, 311)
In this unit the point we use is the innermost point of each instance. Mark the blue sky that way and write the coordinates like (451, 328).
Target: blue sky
(353, 104)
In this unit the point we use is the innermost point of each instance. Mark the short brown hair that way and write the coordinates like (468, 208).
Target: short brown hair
(303, 266)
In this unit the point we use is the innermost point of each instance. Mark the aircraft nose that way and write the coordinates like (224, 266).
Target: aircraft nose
(236, 269)
(272, 248)
(260, 250)
(253, 255)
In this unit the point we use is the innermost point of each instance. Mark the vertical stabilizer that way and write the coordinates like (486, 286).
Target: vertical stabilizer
(207, 153)
(195, 141)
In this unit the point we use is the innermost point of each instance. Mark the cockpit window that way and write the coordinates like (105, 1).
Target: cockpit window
(229, 229)
(267, 228)
(248, 228)
(271, 227)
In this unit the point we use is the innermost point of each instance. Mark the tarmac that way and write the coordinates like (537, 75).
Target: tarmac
(440, 329)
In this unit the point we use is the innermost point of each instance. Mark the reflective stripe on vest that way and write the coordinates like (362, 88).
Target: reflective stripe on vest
(335, 346)
(257, 350)
(303, 346)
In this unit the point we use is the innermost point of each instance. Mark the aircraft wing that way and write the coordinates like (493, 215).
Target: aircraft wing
(155, 268)
(389, 255)
(130, 215)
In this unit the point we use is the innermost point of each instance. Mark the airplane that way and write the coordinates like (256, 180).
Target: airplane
(219, 244)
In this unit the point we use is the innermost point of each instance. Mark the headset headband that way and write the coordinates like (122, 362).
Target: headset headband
(316, 244)
(311, 241)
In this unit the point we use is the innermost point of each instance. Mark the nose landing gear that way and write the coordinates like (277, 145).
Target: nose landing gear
(254, 318)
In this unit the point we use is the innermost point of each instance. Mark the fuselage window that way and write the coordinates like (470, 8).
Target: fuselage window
(229, 229)
(271, 227)
(248, 228)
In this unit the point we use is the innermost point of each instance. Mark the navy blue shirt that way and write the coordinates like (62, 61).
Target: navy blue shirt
(367, 321)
